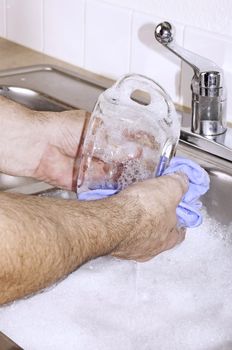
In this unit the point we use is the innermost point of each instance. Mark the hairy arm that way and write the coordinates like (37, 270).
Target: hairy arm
(44, 239)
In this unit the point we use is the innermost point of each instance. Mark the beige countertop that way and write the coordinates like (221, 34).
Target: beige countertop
(15, 56)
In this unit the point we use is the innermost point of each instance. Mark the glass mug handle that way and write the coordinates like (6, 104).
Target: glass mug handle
(128, 84)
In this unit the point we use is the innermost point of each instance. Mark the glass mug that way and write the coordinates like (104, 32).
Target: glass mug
(128, 139)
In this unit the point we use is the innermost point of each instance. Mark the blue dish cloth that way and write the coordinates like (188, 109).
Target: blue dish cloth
(188, 211)
(96, 194)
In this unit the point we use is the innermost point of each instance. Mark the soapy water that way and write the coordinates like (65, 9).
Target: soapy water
(181, 299)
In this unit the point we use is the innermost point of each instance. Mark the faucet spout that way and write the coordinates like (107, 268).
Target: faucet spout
(208, 90)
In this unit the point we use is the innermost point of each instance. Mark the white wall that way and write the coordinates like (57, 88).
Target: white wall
(114, 37)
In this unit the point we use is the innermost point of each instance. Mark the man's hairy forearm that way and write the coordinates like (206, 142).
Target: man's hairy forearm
(38, 249)
(44, 239)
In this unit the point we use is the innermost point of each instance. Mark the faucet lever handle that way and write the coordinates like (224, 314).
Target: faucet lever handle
(164, 34)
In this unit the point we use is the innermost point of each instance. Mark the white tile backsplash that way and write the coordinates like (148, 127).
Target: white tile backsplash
(24, 22)
(2, 18)
(112, 38)
(108, 37)
(64, 30)
(211, 15)
(150, 58)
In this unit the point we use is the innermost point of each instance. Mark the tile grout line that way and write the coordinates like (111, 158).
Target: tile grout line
(5, 18)
(42, 26)
(84, 33)
(130, 40)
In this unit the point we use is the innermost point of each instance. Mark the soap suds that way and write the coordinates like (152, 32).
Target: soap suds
(182, 299)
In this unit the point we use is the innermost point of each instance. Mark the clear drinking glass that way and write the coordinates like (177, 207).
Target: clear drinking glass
(129, 138)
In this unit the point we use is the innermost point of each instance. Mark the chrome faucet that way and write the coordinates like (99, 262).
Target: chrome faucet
(208, 121)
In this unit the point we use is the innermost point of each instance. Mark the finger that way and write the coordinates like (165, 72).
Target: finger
(177, 235)
(167, 190)
(181, 234)
(142, 138)
(174, 187)
(67, 130)
(57, 169)
(63, 176)
(135, 257)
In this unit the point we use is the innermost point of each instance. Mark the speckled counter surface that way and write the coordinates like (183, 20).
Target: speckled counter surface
(13, 55)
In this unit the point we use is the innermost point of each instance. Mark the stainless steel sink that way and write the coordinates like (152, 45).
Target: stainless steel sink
(44, 88)
(50, 88)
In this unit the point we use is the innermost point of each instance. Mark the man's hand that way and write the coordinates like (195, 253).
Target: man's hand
(57, 163)
(151, 205)
(43, 145)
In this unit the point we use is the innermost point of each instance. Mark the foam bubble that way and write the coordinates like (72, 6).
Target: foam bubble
(133, 171)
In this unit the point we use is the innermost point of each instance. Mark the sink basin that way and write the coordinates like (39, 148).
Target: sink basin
(44, 88)
(181, 296)
(50, 88)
